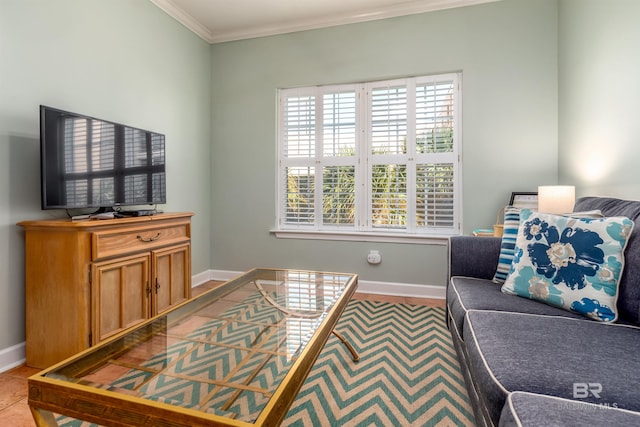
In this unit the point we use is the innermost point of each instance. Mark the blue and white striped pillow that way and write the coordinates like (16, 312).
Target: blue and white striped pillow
(511, 224)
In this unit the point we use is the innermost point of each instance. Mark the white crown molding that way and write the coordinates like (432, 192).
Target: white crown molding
(410, 8)
(180, 15)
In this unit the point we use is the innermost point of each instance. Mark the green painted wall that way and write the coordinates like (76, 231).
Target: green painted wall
(599, 130)
(507, 52)
(120, 60)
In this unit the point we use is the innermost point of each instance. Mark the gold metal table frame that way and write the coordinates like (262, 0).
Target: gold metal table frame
(236, 355)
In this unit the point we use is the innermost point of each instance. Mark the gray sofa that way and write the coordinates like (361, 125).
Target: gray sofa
(526, 363)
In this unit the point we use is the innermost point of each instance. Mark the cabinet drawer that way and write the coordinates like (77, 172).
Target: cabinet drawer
(108, 243)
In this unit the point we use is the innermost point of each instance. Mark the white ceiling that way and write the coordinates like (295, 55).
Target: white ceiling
(225, 20)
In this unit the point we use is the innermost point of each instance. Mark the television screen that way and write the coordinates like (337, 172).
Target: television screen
(92, 163)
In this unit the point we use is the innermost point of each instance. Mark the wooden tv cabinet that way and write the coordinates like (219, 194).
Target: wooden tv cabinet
(88, 280)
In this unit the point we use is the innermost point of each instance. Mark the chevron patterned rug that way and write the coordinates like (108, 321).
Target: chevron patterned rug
(408, 374)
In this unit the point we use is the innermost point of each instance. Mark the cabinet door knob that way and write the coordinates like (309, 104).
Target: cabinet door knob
(148, 239)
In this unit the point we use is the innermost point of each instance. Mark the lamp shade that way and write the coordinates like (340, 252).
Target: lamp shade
(556, 199)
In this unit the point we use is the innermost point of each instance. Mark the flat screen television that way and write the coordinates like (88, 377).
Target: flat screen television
(93, 163)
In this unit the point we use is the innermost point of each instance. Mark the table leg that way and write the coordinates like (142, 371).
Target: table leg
(347, 344)
(43, 418)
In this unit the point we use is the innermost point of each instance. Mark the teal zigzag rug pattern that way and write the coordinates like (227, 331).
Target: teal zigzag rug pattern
(408, 374)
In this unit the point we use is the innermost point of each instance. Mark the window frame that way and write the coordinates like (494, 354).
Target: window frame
(363, 160)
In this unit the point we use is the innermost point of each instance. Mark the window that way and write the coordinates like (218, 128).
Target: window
(374, 157)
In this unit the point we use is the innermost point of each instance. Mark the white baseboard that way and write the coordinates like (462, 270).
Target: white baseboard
(364, 286)
(200, 278)
(218, 275)
(13, 356)
(401, 289)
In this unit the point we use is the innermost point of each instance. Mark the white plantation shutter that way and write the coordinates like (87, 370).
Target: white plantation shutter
(435, 196)
(300, 201)
(318, 157)
(300, 127)
(299, 133)
(339, 123)
(388, 120)
(388, 196)
(435, 116)
(338, 195)
(339, 140)
(436, 153)
(387, 127)
(381, 156)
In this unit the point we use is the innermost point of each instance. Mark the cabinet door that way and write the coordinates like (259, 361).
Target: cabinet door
(171, 277)
(119, 295)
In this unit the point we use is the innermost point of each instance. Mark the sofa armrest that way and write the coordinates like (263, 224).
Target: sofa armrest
(473, 256)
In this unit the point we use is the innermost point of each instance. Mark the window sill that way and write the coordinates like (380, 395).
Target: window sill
(353, 236)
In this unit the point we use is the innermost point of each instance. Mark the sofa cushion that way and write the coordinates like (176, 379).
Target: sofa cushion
(550, 355)
(534, 410)
(468, 293)
(572, 263)
(472, 256)
(629, 288)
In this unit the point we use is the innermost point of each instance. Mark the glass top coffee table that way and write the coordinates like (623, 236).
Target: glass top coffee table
(236, 355)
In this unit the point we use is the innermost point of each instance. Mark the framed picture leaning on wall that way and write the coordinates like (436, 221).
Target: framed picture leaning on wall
(524, 199)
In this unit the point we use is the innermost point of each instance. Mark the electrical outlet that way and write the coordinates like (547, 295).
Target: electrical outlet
(374, 257)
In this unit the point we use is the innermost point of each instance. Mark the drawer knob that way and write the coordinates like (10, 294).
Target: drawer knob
(148, 239)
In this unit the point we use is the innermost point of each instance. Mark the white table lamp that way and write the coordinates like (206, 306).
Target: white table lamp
(556, 199)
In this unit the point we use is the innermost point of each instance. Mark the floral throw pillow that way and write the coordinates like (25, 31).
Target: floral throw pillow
(510, 233)
(571, 263)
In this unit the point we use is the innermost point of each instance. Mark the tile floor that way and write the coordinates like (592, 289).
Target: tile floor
(14, 410)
